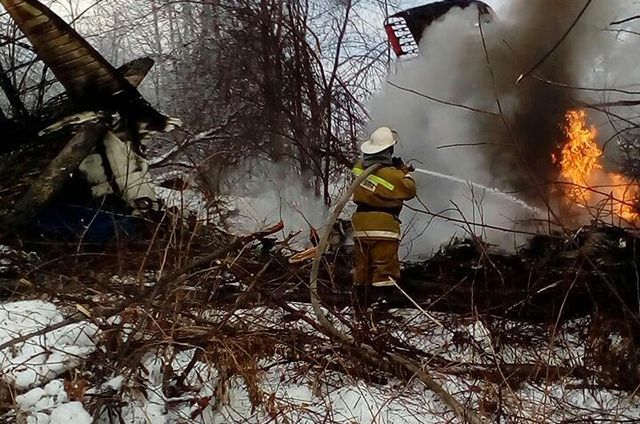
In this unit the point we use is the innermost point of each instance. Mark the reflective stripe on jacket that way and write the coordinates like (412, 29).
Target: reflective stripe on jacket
(380, 193)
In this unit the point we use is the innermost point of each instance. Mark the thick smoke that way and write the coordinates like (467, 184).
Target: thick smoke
(264, 194)
(527, 33)
(512, 152)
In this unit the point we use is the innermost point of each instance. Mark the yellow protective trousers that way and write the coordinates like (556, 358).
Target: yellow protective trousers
(377, 262)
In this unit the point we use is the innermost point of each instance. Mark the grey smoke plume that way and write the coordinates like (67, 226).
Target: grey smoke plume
(269, 192)
(513, 154)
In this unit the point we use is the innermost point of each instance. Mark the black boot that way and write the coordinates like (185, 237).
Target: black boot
(381, 296)
(381, 302)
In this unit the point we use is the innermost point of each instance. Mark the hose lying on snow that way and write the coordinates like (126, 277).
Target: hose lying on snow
(462, 412)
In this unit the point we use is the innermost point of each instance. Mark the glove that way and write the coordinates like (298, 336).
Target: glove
(404, 167)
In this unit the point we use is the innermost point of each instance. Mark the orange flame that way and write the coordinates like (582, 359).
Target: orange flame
(580, 155)
(628, 195)
(580, 164)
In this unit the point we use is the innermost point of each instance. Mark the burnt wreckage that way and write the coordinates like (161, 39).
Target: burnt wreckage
(564, 274)
(406, 28)
(73, 162)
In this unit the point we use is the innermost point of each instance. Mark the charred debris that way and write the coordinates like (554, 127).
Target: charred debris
(87, 107)
(48, 132)
(76, 137)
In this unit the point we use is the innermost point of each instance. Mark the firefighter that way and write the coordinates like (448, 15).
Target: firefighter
(376, 222)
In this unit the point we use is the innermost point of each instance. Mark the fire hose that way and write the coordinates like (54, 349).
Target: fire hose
(460, 410)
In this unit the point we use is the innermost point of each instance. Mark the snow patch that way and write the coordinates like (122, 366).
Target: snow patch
(51, 406)
(42, 358)
(70, 413)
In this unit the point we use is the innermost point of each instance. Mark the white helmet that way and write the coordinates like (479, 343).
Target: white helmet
(381, 139)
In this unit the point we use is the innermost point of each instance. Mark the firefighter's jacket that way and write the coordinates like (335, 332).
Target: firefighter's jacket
(379, 199)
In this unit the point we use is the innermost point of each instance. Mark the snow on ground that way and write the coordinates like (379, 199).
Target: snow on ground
(289, 396)
(51, 406)
(41, 358)
(292, 398)
(290, 393)
(287, 390)
(38, 360)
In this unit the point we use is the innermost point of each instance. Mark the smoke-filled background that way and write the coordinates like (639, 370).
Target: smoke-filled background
(513, 151)
(282, 105)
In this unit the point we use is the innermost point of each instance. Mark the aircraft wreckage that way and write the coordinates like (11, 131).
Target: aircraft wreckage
(78, 156)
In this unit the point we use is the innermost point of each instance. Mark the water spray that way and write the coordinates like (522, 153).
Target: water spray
(493, 190)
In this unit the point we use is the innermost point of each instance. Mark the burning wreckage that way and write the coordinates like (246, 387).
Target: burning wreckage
(73, 165)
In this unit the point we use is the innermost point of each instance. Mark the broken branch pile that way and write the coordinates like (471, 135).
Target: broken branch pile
(552, 277)
(238, 301)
